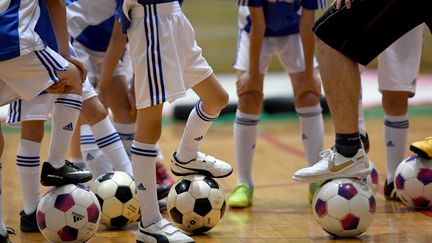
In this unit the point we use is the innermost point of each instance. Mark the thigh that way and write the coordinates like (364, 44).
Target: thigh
(369, 26)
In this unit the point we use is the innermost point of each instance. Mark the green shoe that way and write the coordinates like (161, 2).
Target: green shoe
(240, 197)
(312, 189)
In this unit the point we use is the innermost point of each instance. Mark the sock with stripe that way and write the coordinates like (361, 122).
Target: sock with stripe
(3, 230)
(111, 145)
(28, 168)
(196, 128)
(395, 137)
(312, 129)
(93, 157)
(126, 132)
(64, 119)
(144, 166)
(245, 133)
(78, 162)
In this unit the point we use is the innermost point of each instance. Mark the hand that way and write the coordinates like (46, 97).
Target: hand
(79, 65)
(248, 82)
(57, 88)
(339, 3)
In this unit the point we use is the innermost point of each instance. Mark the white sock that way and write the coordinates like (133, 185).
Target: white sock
(144, 166)
(312, 128)
(126, 132)
(93, 157)
(28, 167)
(111, 145)
(64, 119)
(245, 133)
(395, 138)
(196, 128)
(361, 119)
(3, 230)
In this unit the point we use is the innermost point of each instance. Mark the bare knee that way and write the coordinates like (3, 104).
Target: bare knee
(93, 111)
(251, 102)
(395, 103)
(307, 99)
(32, 130)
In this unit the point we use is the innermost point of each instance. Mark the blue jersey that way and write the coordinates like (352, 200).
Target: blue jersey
(90, 22)
(18, 19)
(282, 17)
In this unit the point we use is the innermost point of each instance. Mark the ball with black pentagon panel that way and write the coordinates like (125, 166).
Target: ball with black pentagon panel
(196, 203)
(117, 196)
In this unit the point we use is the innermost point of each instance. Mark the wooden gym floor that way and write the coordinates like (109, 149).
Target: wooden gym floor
(280, 212)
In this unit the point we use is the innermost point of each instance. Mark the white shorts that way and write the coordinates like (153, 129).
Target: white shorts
(94, 60)
(398, 65)
(289, 50)
(40, 107)
(28, 75)
(165, 56)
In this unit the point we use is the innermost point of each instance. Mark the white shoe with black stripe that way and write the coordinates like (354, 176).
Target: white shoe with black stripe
(203, 164)
(161, 231)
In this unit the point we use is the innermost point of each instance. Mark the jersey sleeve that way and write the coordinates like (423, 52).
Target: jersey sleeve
(249, 3)
(314, 4)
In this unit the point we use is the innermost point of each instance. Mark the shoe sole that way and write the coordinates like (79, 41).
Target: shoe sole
(62, 182)
(342, 174)
(199, 172)
(420, 152)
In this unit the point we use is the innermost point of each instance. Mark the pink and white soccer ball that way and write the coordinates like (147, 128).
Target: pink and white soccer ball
(344, 207)
(413, 182)
(373, 179)
(69, 213)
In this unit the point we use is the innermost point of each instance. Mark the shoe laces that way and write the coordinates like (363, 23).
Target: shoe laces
(327, 155)
(70, 164)
(241, 187)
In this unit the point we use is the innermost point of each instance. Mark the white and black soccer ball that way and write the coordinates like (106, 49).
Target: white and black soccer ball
(413, 182)
(196, 203)
(117, 196)
(344, 207)
(69, 213)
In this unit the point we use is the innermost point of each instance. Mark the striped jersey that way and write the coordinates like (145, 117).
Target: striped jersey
(18, 19)
(282, 17)
(90, 22)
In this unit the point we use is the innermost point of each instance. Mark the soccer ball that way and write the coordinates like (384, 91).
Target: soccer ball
(196, 203)
(372, 179)
(413, 182)
(117, 196)
(344, 207)
(69, 213)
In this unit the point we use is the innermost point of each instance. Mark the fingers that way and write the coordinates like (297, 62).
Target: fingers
(80, 66)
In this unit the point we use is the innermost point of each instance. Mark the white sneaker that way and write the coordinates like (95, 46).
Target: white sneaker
(334, 165)
(161, 231)
(202, 164)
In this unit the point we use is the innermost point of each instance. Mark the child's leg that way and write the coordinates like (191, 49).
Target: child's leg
(144, 156)
(213, 99)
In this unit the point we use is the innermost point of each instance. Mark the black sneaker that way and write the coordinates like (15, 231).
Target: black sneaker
(28, 222)
(390, 192)
(67, 174)
(162, 191)
(365, 141)
(5, 238)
